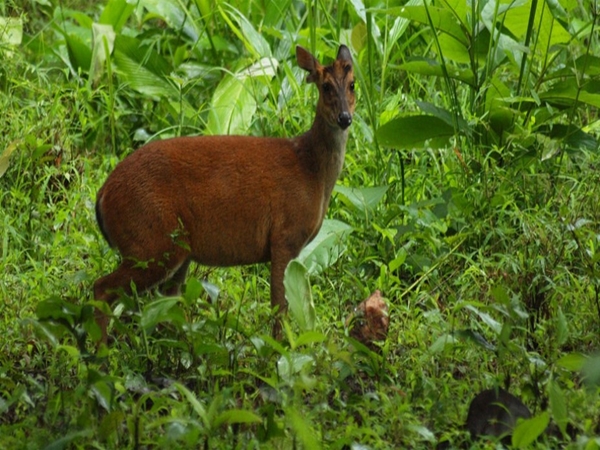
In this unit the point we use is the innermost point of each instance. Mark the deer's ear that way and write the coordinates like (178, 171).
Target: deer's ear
(344, 54)
(309, 63)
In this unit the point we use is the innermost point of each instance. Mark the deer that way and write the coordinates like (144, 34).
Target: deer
(225, 200)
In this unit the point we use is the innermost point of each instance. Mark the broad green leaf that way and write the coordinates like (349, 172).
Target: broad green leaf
(80, 54)
(162, 310)
(565, 93)
(103, 393)
(193, 289)
(359, 8)
(211, 290)
(90, 325)
(111, 423)
(254, 42)
(430, 67)
(406, 132)
(143, 55)
(572, 136)
(103, 41)
(549, 31)
(443, 114)
(116, 13)
(442, 18)
(558, 12)
(310, 337)
(205, 8)
(505, 334)
(562, 328)
(298, 295)
(193, 70)
(529, 430)
(505, 46)
(201, 349)
(70, 350)
(491, 16)
(142, 68)
(359, 37)
(232, 416)
(500, 294)
(591, 372)
(400, 258)
(387, 233)
(5, 156)
(584, 65)
(363, 199)
(44, 330)
(558, 406)
(264, 67)
(492, 10)
(268, 341)
(442, 342)
(361, 12)
(196, 405)
(425, 432)
(232, 107)
(290, 365)
(234, 101)
(177, 15)
(276, 11)
(57, 309)
(573, 362)
(40, 150)
(501, 119)
(11, 30)
(327, 246)
(400, 26)
(476, 337)
(303, 430)
(454, 50)
(486, 318)
(501, 116)
(81, 22)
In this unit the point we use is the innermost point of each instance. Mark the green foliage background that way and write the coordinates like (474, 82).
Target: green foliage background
(469, 198)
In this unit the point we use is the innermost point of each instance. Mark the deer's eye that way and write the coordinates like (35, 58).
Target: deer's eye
(327, 88)
(352, 86)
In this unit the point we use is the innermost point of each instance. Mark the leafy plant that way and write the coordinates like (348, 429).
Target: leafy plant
(521, 75)
(469, 198)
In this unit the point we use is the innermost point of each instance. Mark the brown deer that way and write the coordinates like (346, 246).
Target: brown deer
(225, 200)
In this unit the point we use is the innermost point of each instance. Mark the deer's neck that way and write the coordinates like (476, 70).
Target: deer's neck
(322, 150)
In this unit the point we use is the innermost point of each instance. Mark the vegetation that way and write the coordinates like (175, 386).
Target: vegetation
(470, 198)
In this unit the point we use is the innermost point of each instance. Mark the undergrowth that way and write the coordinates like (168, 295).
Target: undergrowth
(469, 198)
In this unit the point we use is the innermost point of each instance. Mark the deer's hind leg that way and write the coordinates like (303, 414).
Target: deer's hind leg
(141, 274)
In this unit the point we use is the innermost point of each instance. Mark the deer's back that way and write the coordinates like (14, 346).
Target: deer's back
(226, 198)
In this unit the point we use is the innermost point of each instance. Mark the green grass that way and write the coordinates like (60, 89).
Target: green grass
(483, 240)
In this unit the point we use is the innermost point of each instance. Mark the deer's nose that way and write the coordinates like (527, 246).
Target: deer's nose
(344, 120)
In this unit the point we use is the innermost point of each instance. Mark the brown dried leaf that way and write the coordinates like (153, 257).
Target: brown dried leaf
(370, 320)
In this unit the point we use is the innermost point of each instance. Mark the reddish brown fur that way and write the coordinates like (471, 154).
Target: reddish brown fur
(226, 200)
